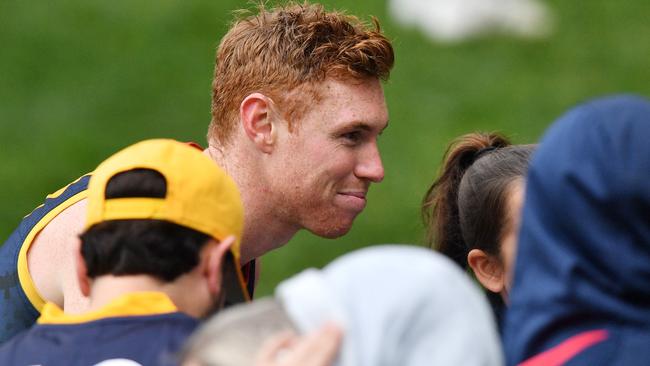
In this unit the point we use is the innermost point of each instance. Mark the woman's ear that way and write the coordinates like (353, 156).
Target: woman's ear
(488, 270)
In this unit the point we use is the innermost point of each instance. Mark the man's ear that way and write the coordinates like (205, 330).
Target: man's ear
(259, 118)
(488, 270)
(215, 258)
(82, 273)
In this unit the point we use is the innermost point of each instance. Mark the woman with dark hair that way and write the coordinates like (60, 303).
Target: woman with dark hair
(471, 211)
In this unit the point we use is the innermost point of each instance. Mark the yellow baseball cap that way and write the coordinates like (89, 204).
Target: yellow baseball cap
(200, 195)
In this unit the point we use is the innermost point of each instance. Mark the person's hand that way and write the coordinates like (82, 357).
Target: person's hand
(288, 349)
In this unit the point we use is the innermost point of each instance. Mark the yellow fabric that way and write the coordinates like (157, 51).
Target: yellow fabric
(135, 304)
(200, 195)
(24, 277)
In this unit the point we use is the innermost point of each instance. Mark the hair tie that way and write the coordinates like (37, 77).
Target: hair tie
(483, 151)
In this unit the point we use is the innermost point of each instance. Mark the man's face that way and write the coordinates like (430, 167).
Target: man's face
(322, 170)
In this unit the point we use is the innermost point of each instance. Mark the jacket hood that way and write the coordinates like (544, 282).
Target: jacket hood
(583, 257)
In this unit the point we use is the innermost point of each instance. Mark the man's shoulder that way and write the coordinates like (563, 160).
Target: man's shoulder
(52, 206)
(22, 301)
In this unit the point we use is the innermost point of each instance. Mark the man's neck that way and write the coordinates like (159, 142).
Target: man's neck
(263, 231)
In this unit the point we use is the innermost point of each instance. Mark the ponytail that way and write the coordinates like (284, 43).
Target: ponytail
(440, 204)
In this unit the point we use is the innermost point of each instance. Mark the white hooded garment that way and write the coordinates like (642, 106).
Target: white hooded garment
(398, 306)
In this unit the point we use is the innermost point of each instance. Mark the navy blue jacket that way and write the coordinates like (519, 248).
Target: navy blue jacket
(581, 292)
(147, 340)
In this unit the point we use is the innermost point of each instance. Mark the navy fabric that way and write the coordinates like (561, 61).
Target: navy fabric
(16, 312)
(147, 340)
(583, 258)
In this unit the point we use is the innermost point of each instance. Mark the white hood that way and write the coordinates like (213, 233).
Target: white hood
(398, 305)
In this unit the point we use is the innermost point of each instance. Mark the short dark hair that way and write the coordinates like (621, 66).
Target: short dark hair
(157, 248)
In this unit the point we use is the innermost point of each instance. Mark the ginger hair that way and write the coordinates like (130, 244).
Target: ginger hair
(283, 52)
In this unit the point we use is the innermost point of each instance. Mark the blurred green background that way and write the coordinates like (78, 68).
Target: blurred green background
(81, 79)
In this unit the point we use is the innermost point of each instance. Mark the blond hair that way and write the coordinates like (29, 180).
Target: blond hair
(281, 49)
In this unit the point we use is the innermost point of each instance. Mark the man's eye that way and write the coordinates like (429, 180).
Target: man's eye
(353, 136)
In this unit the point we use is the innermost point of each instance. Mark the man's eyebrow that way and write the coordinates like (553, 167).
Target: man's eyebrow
(360, 126)
(366, 127)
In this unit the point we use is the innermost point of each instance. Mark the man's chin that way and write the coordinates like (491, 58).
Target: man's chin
(332, 231)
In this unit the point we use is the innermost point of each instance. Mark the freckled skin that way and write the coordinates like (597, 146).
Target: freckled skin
(320, 173)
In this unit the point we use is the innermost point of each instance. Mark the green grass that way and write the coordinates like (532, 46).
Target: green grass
(81, 79)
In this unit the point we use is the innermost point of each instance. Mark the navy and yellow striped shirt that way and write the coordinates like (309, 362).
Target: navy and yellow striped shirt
(20, 303)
